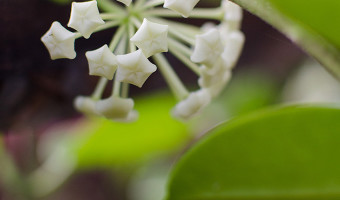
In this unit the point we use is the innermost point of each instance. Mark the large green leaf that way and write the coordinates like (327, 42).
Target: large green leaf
(287, 153)
(313, 24)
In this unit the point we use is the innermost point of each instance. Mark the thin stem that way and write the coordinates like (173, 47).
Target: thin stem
(139, 3)
(116, 88)
(121, 49)
(131, 33)
(175, 84)
(98, 92)
(105, 26)
(201, 13)
(181, 36)
(110, 6)
(187, 29)
(125, 90)
(111, 16)
(152, 3)
(136, 22)
(179, 47)
(177, 50)
(117, 38)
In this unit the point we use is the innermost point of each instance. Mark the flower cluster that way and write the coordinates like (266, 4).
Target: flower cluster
(144, 31)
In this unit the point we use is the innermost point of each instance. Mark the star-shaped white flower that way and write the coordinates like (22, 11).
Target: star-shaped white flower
(183, 7)
(233, 48)
(102, 62)
(192, 105)
(126, 2)
(59, 42)
(117, 108)
(208, 47)
(85, 17)
(151, 38)
(85, 105)
(134, 68)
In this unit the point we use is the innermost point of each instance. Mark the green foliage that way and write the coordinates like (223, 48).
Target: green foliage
(310, 23)
(100, 142)
(287, 153)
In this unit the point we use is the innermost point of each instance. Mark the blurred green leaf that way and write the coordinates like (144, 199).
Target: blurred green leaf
(248, 91)
(310, 23)
(61, 2)
(287, 153)
(99, 142)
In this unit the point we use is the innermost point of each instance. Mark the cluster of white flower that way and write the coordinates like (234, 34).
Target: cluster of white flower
(210, 51)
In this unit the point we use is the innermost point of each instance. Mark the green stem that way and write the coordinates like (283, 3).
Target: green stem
(201, 13)
(117, 37)
(183, 53)
(98, 92)
(105, 26)
(110, 6)
(175, 84)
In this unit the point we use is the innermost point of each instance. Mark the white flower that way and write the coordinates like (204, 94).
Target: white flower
(233, 14)
(192, 105)
(126, 2)
(213, 75)
(59, 42)
(134, 68)
(233, 48)
(208, 47)
(151, 38)
(183, 7)
(116, 108)
(85, 105)
(102, 62)
(85, 17)
(210, 51)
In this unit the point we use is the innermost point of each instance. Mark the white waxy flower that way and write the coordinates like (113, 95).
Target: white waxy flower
(116, 108)
(59, 42)
(232, 14)
(85, 17)
(85, 105)
(134, 68)
(192, 105)
(102, 62)
(151, 38)
(183, 7)
(218, 87)
(208, 47)
(214, 75)
(233, 48)
(126, 2)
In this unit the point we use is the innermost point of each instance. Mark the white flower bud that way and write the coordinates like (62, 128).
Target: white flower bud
(183, 7)
(211, 76)
(233, 48)
(126, 2)
(192, 105)
(208, 47)
(85, 17)
(151, 38)
(102, 62)
(85, 105)
(59, 42)
(232, 14)
(116, 108)
(134, 68)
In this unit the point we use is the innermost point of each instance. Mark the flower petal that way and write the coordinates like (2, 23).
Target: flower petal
(59, 42)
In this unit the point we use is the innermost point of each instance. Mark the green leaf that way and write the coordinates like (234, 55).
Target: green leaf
(98, 142)
(313, 24)
(288, 153)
